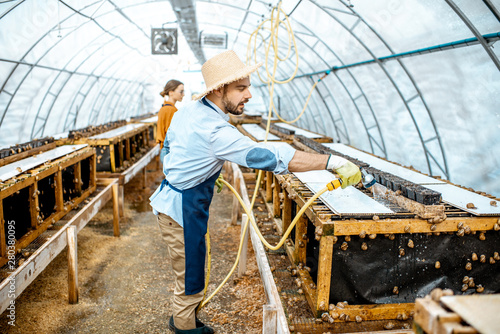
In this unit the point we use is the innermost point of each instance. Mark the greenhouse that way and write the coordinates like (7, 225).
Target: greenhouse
(215, 166)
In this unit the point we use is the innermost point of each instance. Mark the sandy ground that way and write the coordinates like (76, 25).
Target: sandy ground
(126, 284)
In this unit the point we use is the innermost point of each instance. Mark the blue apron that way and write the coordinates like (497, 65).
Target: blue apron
(195, 206)
(195, 209)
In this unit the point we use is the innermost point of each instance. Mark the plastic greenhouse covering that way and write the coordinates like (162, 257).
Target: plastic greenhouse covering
(416, 82)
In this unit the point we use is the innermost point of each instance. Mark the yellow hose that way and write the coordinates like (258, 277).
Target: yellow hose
(329, 187)
(275, 23)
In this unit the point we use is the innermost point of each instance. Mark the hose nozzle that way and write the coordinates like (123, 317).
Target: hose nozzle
(334, 184)
(367, 179)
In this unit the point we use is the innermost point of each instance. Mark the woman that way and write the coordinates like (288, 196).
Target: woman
(172, 93)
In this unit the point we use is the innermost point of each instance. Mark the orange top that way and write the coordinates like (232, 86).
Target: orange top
(165, 115)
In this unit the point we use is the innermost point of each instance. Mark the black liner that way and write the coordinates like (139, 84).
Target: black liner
(368, 277)
(143, 116)
(16, 208)
(92, 130)
(19, 148)
(274, 127)
(86, 172)
(68, 183)
(408, 189)
(104, 163)
(47, 196)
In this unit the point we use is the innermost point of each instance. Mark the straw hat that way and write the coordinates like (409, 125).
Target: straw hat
(223, 69)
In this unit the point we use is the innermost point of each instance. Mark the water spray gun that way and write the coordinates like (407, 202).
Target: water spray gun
(367, 179)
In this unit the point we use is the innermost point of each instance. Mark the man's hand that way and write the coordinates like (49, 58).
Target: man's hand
(349, 173)
(219, 183)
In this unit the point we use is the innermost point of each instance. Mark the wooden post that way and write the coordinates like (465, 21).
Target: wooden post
(120, 151)
(228, 172)
(34, 205)
(3, 242)
(77, 177)
(145, 137)
(121, 201)
(269, 319)
(300, 230)
(287, 211)
(59, 192)
(276, 199)
(242, 266)
(269, 188)
(116, 214)
(128, 149)
(144, 177)
(324, 272)
(235, 213)
(112, 157)
(93, 171)
(72, 265)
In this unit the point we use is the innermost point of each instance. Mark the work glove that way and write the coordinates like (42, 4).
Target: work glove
(349, 173)
(219, 183)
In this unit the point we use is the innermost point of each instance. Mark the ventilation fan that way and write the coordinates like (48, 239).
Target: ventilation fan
(164, 41)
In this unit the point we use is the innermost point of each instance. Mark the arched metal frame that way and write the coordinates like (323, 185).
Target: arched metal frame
(41, 128)
(428, 154)
(35, 133)
(424, 141)
(476, 32)
(293, 85)
(444, 167)
(99, 100)
(370, 137)
(85, 95)
(315, 127)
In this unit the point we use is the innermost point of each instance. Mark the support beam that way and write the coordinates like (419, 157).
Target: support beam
(72, 265)
(242, 266)
(269, 319)
(116, 214)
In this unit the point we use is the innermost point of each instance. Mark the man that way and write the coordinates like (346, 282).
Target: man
(200, 140)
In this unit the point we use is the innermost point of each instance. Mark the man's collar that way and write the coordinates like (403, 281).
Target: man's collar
(219, 110)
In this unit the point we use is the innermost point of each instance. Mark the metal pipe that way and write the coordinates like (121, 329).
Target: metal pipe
(489, 38)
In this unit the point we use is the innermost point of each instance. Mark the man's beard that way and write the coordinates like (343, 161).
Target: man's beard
(231, 107)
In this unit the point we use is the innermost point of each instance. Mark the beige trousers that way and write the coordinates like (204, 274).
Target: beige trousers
(184, 307)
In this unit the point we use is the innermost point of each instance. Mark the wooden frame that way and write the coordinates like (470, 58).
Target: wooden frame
(288, 189)
(289, 135)
(41, 258)
(25, 154)
(30, 180)
(120, 150)
(244, 119)
(284, 138)
(274, 319)
(152, 127)
(129, 173)
(435, 314)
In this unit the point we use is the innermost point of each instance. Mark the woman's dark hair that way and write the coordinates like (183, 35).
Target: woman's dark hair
(170, 86)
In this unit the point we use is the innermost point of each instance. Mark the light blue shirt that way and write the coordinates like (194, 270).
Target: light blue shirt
(200, 141)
